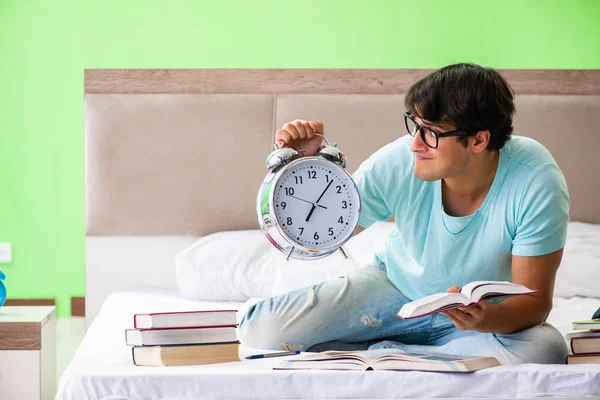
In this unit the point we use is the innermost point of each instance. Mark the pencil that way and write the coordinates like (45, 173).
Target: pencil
(268, 355)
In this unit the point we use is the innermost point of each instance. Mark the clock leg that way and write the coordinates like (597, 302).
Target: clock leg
(343, 252)
(289, 253)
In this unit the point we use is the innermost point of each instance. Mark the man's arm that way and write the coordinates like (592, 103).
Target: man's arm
(522, 312)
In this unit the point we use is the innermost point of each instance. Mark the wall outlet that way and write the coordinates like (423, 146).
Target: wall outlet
(5, 253)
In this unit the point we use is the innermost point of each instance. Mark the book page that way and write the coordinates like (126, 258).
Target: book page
(327, 360)
(434, 302)
(440, 299)
(337, 355)
(397, 354)
(490, 290)
(388, 359)
(369, 357)
(467, 290)
(397, 359)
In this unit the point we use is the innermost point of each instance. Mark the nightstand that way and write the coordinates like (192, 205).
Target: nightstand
(27, 352)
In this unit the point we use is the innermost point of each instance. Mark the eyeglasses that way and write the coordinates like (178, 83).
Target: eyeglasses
(429, 136)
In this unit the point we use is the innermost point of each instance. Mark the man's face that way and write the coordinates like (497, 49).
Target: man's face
(449, 159)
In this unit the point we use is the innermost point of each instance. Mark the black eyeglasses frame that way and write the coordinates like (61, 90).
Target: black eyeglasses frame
(438, 135)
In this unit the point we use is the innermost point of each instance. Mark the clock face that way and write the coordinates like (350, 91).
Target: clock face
(316, 203)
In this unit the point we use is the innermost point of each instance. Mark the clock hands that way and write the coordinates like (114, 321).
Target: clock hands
(321, 196)
(310, 212)
(306, 201)
(316, 203)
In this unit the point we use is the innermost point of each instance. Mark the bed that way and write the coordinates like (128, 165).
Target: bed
(173, 162)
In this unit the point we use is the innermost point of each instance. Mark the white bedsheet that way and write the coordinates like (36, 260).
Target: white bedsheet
(102, 367)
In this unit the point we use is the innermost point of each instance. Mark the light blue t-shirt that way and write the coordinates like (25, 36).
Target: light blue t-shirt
(525, 213)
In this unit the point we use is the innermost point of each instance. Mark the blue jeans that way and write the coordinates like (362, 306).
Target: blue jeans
(357, 312)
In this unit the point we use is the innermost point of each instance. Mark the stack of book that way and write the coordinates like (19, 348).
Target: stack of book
(183, 338)
(585, 342)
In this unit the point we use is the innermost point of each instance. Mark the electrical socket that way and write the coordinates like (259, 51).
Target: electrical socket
(5, 253)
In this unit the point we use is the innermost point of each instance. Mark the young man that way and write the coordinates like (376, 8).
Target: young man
(470, 203)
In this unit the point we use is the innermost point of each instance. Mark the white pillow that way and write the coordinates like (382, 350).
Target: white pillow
(296, 274)
(362, 247)
(238, 265)
(232, 265)
(579, 271)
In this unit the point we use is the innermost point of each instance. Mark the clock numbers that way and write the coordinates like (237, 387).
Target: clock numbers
(319, 196)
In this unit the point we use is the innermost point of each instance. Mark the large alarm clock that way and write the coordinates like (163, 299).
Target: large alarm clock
(308, 207)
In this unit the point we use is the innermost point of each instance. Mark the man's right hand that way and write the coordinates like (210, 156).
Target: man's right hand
(300, 135)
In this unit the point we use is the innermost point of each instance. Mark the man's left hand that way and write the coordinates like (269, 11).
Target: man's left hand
(466, 318)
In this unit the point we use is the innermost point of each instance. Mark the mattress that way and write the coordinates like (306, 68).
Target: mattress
(102, 367)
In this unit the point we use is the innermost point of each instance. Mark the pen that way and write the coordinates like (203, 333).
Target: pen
(281, 354)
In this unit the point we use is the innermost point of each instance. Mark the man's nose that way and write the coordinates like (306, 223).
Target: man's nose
(417, 144)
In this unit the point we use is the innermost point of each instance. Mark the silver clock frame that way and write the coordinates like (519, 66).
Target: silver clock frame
(279, 162)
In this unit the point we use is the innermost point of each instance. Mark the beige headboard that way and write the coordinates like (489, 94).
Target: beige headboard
(182, 152)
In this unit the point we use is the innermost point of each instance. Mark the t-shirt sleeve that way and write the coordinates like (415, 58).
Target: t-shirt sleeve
(543, 214)
(373, 205)
(379, 180)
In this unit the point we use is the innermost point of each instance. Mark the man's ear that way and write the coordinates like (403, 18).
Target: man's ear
(481, 141)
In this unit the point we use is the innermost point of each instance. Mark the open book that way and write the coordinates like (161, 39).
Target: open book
(470, 294)
(388, 359)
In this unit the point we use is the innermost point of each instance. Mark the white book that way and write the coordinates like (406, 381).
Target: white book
(184, 319)
(592, 324)
(153, 337)
(471, 293)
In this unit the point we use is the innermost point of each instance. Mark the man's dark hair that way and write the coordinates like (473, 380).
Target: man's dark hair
(471, 97)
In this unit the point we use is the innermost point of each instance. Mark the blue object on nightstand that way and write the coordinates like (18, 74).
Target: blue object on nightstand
(2, 288)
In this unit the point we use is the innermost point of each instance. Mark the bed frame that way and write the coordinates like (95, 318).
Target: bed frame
(172, 155)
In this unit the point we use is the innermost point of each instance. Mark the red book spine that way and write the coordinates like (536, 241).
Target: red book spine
(189, 327)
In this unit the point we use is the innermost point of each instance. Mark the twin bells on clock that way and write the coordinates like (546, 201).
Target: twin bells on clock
(286, 154)
(308, 206)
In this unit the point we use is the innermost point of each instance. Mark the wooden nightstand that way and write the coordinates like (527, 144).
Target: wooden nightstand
(27, 352)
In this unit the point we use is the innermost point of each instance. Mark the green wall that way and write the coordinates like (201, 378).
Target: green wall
(46, 45)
